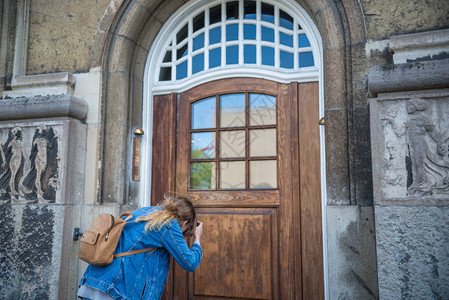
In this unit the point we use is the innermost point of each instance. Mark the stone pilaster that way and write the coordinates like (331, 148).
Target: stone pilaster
(410, 150)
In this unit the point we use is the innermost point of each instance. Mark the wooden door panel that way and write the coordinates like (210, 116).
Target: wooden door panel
(238, 259)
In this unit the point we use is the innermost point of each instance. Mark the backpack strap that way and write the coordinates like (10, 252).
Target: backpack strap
(134, 252)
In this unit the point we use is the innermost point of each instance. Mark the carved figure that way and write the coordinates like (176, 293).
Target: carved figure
(2, 157)
(429, 167)
(14, 153)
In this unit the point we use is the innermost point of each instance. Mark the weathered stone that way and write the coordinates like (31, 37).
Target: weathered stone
(351, 252)
(409, 145)
(43, 107)
(88, 13)
(409, 76)
(413, 252)
(361, 157)
(337, 158)
(56, 45)
(399, 17)
(334, 78)
(123, 52)
(331, 27)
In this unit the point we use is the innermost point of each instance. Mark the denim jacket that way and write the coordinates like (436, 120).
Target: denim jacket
(143, 276)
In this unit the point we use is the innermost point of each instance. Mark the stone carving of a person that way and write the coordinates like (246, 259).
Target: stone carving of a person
(430, 169)
(14, 150)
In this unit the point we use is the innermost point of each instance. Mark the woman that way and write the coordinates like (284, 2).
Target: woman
(143, 276)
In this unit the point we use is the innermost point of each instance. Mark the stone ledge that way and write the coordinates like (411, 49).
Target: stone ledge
(409, 77)
(408, 47)
(43, 107)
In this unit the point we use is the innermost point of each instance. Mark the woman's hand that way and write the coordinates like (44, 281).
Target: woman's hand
(199, 230)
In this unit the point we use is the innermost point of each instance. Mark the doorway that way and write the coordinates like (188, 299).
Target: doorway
(246, 151)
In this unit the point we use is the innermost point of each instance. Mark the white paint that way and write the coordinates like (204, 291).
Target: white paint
(309, 74)
(379, 46)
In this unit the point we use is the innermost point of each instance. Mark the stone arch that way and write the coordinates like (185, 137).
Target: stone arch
(121, 47)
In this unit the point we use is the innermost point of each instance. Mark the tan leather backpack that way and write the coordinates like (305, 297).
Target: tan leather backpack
(100, 240)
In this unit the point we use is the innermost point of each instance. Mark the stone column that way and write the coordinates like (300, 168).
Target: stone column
(42, 154)
(409, 112)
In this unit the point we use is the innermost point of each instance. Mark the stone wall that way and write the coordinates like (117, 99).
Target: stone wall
(410, 148)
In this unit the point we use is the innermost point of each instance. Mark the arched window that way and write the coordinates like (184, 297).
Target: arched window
(220, 39)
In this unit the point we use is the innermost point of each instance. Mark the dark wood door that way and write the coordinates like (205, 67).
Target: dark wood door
(246, 152)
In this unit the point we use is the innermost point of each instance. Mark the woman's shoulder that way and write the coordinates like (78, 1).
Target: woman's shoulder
(143, 211)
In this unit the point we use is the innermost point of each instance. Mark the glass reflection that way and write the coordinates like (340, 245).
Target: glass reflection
(262, 109)
(267, 56)
(267, 34)
(303, 41)
(203, 145)
(267, 13)
(286, 39)
(181, 52)
(198, 42)
(198, 22)
(167, 57)
(250, 9)
(232, 143)
(214, 58)
(181, 70)
(232, 55)
(285, 20)
(165, 74)
(249, 32)
(232, 32)
(198, 63)
(232, 175)
(215, 14)
(262, 174)
(262, 142)
(182, 34)
(232, 110)
(305, 59)
(203, 113)
(249, 54)
(286, 60)
(215, 36)
(202, 176)
(232, 10)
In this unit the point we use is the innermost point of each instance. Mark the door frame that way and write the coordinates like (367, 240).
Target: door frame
(300, 95)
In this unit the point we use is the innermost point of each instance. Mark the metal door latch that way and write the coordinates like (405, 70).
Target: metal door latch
(76, 233)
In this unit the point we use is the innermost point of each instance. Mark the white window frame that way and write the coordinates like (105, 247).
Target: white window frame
(152, 87)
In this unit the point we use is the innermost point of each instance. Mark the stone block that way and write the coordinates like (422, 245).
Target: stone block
(334, 78)
(410, 147)
(351, 252)
(387, 18)
(88, 13)
(88, 87)
(331, 27)
(123, 49)
(56, 45)
(149, 32)
(337, 158)
(33, 251)
(41, 162)
(413, 252)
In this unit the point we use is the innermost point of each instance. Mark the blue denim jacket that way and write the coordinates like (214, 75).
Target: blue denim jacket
(143, 276)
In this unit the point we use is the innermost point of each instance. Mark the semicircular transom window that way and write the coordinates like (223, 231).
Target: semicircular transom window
(230, 34)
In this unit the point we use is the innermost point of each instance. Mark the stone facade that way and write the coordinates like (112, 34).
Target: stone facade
(71, 83)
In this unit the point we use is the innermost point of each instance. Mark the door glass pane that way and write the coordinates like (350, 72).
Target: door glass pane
(198, 63)
(249, 32)
(181, 70)
(267, 56)
(215, 36)
(267, 34)
(262, 174)
(198, 42)
(232, 110)
(305, 59)
(232, 32)
(232, 175)
(214, 58)
(232, 55)
(203, 113)
(286, 39)
(262, 142)
(262, 109)
(286, 59)
(232, 143)
(202, 176)
(203, 145)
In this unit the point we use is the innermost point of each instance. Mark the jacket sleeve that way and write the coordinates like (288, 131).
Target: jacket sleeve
(173, 241)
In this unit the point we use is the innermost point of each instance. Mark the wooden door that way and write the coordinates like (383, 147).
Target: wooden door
(246, 152)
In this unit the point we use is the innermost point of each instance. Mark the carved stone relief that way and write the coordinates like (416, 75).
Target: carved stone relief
(29, 164)
(416, 159)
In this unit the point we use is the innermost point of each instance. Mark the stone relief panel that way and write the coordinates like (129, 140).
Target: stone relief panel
(30, 164)
(415, 161)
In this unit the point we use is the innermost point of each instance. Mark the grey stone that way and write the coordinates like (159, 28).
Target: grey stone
(351, 252)
(413, 252)
(409, 76)
(43, 107)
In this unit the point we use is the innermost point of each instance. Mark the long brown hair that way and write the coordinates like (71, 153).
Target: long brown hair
(173, 207)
